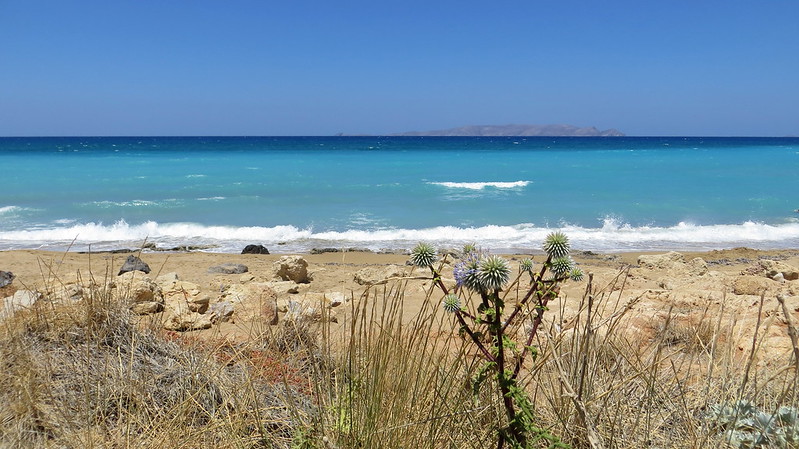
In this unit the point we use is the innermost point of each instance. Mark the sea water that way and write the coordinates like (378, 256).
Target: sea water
(293, 194)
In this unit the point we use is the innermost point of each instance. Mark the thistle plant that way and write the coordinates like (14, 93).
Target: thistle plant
(488, 277)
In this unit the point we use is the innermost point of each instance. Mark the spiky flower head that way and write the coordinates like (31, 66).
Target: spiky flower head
(423, 255)
(469, 248)
(466, 272)
(576, 274)
(451, 303)
(561, 265)
(526, 265)
(557, 245)
(494, 272)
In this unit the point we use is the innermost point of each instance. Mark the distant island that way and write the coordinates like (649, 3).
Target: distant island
(516, 130)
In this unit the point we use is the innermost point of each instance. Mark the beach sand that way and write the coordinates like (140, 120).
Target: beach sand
(724, 285)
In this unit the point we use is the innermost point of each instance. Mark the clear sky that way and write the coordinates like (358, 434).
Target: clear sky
(296, 67)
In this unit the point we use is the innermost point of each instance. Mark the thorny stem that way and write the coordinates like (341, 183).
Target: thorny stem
(534, 280)
(459, 315)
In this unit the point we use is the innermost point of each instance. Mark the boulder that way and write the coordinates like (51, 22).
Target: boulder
(133, 263)
(375, 275)
(188, 293)
(229, 268)
(750, 285)
(255, 249)
(291, 268)
(6, 277)
(250, 301)
(773, 268)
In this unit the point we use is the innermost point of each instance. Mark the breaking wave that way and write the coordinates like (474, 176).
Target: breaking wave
(612, 236)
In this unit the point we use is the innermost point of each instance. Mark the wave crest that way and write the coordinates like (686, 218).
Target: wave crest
(481, 185)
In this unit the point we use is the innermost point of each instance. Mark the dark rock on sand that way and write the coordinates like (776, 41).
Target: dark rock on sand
(255, 249)
(133, 263)
(229, 268)
(6, 277)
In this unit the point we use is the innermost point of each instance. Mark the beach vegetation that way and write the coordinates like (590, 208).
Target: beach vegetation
(491, 359)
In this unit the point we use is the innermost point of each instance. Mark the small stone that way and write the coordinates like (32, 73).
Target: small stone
(133, 263)
(246, 277)
(229, 268)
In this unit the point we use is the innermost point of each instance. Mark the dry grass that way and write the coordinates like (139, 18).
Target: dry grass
(85, 374)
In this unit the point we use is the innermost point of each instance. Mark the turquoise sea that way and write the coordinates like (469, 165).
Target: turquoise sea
(386, 193)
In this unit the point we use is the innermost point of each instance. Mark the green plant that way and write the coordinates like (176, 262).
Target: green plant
(745, 426)
(490, 326)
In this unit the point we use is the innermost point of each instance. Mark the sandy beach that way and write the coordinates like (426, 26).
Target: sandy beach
(690, 286)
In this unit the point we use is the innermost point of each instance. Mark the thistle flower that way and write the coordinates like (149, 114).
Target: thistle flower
(451, 303)
(466, 272)
(561, 265)
(526, 265)
(469, 248)
(423, 255)
(494, 272)
(576, 274)
(557, 245)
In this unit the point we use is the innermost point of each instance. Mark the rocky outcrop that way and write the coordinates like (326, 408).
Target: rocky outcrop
(143, 294)
(133, 263)
(292, 268)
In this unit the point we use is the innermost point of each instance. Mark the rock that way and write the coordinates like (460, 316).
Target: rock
(246, 277)
(772, 267)
(281, 287)
(167, 279)
(229, 268)
(256, 300)
(304, 310)
(696, 267)
(779, 278)
(144, 295)
(662, 261)
(188, 293)
(335, 299)
(133, 263)
(220, 312)
(6, 277)
(255, 249)
(146, 308)
(750, 285)
(373, 275)
(182, 321)
(292, 268)
(22, 299)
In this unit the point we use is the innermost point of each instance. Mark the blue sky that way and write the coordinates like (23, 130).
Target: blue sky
(196, 67)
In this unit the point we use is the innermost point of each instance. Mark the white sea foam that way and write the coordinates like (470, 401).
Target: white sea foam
(481, 185)
(612, 236)
(9, 209)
